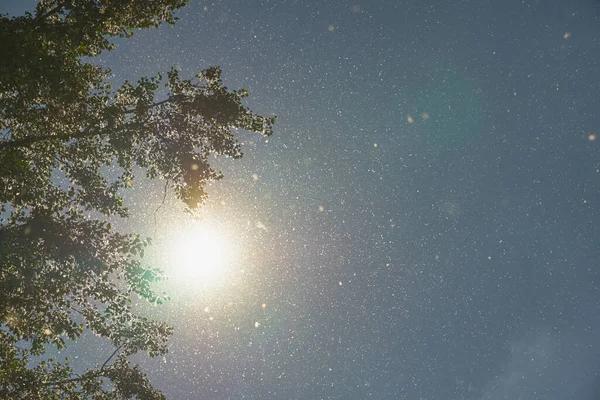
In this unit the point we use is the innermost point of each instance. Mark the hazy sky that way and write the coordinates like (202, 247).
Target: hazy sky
(424, 222)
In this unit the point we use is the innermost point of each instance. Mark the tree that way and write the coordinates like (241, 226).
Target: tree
(64, 270)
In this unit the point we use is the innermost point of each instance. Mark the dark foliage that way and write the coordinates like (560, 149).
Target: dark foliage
(62, 272)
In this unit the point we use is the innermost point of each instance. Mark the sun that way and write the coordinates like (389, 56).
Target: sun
(202, 254)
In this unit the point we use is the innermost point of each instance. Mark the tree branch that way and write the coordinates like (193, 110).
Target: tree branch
(153, 105)
(55, 10)
(28, 141)
(89, 376)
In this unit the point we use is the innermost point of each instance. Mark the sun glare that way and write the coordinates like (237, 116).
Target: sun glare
(202, 255)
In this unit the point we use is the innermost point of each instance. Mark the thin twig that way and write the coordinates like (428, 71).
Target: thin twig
(111, 356)
(160, 206)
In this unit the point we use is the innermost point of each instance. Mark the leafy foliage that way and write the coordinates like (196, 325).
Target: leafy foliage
(62, 271)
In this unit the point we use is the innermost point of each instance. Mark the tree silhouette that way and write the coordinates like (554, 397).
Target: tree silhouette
(63, 271)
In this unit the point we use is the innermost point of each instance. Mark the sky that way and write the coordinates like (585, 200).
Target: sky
(423, 224)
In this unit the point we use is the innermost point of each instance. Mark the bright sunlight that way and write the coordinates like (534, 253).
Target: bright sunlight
(202, 254)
